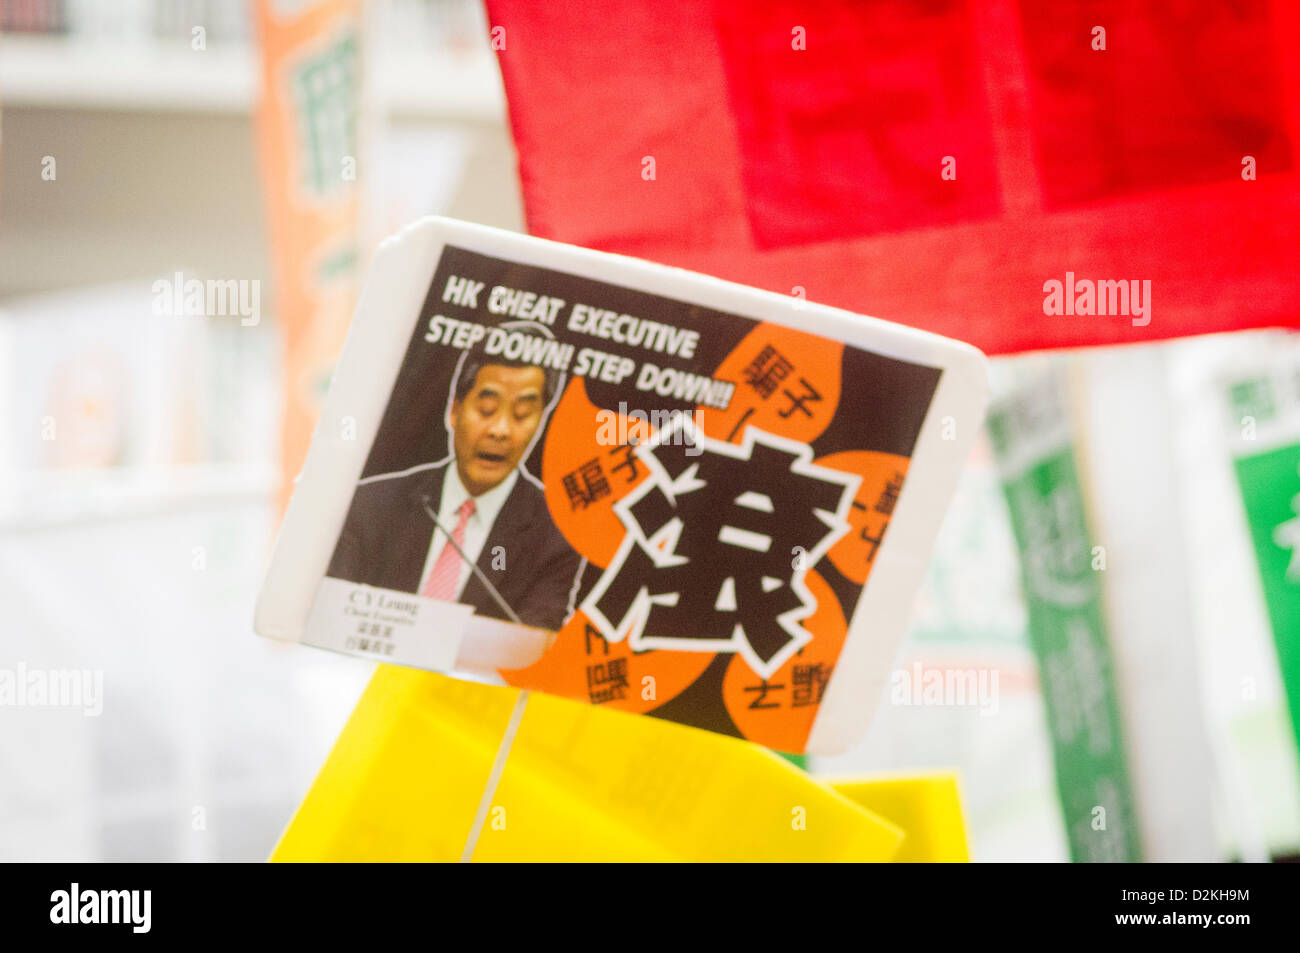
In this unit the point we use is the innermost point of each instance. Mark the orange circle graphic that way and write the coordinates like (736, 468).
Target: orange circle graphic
(882, 480)
(787, 383)
(779, 711)
(586, 470)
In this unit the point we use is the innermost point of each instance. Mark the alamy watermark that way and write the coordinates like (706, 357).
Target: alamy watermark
(622, 427)
(1084, 296)
(194, 298)
(75, 905)
(24, 687)
(945, 687)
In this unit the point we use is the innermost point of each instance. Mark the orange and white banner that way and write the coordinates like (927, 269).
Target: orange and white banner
(308, 123)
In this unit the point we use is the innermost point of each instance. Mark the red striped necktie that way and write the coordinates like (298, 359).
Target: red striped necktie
(442, 580)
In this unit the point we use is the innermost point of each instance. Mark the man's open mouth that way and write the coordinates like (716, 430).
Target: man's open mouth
(491, 458)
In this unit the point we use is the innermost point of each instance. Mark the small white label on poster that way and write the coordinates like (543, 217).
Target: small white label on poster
(387, 625)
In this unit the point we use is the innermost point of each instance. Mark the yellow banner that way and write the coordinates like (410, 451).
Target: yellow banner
(582, 783)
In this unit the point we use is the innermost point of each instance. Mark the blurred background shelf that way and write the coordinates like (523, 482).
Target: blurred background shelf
(49, 498)
(69, 73)
(155, 75)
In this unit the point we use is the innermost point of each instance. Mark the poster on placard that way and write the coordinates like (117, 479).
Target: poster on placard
(636, 498)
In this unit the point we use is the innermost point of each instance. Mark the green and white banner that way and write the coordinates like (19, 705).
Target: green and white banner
(1031, 435)
(1266, 458)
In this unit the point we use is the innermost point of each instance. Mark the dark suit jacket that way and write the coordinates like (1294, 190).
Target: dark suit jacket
(386, 537)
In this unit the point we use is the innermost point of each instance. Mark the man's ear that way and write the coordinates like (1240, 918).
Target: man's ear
(453, 411)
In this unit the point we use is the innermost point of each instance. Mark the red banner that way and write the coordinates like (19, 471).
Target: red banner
(1016, 175)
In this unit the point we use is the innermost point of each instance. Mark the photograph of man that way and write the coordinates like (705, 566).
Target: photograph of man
(425, 529)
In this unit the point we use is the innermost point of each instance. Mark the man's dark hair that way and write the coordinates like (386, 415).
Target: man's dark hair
(476, 358)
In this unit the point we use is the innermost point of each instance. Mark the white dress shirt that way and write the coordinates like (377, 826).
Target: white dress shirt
(486, 508)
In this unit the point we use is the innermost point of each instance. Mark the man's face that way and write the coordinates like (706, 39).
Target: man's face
(495, 422)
